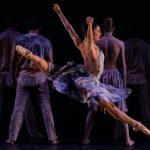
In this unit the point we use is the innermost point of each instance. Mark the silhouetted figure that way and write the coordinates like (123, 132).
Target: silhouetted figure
(29, 79)
(138, 77)
(7, 79)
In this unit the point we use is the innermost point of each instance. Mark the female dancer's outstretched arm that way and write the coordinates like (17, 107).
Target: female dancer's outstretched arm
(77, 41)
(89, 21)
(90, 38)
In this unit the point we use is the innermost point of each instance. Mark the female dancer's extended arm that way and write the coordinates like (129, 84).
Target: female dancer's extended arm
(77, 41)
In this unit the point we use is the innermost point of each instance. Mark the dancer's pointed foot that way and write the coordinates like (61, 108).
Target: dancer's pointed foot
(140, 127)
(23, 51)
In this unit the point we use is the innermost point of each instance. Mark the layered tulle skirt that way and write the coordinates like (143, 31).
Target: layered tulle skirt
(74, 81)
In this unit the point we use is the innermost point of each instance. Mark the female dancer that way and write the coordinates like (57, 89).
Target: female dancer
(82, 82)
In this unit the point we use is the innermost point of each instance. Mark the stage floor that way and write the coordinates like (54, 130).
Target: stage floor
(100, 145)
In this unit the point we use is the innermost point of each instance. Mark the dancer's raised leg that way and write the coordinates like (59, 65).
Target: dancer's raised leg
(121, 116)
(42, 64)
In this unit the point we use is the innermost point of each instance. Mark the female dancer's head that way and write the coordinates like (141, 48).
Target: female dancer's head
(96, 30)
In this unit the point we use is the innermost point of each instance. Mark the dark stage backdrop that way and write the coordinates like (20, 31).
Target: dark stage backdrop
(131, 18)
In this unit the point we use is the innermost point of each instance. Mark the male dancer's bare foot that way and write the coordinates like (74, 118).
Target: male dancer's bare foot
(54, 142)
(8, 141)
(129, 142)
(23, 51)
(86, 141)
(140, 127)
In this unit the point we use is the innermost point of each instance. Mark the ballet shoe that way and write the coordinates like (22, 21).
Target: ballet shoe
(140, 127)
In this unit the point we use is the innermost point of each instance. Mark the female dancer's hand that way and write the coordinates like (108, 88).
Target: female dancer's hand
(89, 20)
(57, 8)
